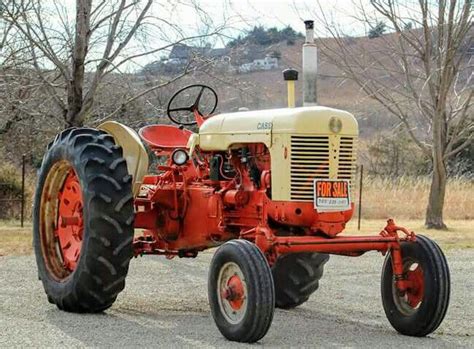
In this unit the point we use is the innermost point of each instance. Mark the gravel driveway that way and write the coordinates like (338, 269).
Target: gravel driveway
(165, 304)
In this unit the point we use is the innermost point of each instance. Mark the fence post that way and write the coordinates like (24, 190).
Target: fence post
(360, 196)
(22, 217)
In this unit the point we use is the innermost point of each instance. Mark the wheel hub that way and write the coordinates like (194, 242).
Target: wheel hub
(232, 292)
(416, 291)
(70, 223)
(409, 300)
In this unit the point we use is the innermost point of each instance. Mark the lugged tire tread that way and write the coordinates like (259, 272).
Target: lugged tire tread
(296, 277)
(101, 275)
(106, 178)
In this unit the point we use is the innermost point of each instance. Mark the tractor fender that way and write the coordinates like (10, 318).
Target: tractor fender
(134, 152)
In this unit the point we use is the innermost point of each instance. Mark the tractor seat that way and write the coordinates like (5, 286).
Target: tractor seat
(165, 136)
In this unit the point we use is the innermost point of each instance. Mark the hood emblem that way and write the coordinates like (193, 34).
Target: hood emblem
(335, 124)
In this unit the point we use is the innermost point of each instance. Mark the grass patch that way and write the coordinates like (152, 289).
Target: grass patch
(460, 233)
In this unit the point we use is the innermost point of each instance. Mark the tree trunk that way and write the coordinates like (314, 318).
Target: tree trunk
(75, 114)
(434, 213)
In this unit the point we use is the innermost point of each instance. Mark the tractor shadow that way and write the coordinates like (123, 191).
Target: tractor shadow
(305, 326)
(128, 327)
(177, 314)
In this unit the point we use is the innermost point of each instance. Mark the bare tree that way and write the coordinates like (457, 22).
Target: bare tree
(421, 73)
(71, 59)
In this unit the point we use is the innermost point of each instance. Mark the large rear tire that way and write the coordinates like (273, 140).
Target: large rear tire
(296, 277)
(83, 221)
(421, 309)
(241, 293)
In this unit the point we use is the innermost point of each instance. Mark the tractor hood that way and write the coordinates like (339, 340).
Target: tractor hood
(221, 131)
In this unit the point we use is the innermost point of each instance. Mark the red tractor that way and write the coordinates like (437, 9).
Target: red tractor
(272, 188)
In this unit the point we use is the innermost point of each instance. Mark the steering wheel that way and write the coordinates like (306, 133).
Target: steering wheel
(205, 103)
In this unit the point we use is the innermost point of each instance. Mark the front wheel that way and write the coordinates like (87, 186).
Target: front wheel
(421, 308)
(241, 291)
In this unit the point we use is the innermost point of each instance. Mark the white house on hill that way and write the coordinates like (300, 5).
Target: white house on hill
(266, 63)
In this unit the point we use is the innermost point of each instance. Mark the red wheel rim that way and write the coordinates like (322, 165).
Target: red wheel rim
(61, 222)
(416, 291)
(70, 223)
(409, 301)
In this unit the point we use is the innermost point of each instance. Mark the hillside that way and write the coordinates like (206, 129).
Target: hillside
(269, 90)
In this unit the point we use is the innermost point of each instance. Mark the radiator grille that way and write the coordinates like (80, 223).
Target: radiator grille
(347, 161)
(310, 160)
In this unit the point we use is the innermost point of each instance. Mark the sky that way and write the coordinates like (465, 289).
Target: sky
(244, 14)
(236, 16)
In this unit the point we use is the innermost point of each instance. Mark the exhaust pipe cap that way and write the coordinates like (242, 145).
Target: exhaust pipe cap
(290, 74)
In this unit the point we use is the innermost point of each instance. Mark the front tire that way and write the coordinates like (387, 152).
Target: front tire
(421, 309)
(241, 292)
(83, 221)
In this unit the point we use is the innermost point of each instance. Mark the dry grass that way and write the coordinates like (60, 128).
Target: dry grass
(18, 241)
(403, 199)
(407, 198)
(460, 233)
(15, 240)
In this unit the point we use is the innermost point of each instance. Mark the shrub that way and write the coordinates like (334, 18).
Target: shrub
(393, 155)
(10, 181)
(10, 192)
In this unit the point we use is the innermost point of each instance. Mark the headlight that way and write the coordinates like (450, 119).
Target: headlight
(179, 157)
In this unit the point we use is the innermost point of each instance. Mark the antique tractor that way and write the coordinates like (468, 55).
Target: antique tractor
(272, 188)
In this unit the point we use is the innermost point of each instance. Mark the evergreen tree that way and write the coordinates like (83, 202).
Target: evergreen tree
(378, 30)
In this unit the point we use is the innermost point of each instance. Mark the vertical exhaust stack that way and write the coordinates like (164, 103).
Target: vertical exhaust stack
(310, 66)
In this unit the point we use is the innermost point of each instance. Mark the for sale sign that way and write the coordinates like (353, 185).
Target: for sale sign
(332, 195)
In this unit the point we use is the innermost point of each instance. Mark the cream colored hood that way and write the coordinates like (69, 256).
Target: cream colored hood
(223, 130)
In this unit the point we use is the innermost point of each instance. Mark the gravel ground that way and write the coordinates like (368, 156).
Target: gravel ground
(165, 304)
